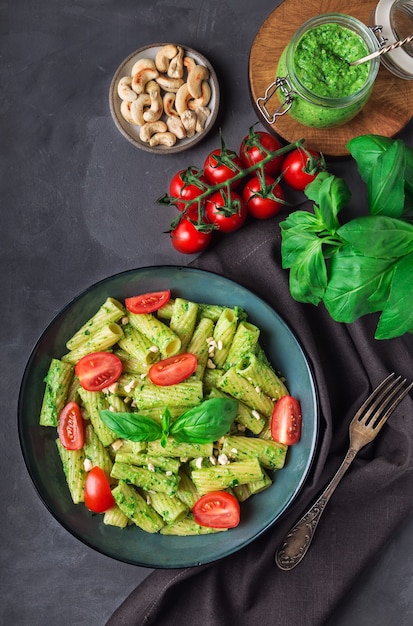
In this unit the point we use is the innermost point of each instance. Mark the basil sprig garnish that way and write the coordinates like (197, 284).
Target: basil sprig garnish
(364, 265)
(204, 423)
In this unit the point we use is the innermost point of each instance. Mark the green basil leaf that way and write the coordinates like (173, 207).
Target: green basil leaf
(385, 185)
(397, 316)
(296, 245)
(379, 236)
(330, 194)
(365, 150)
(308, 275)
(205, 423)
(357, 284)
(132, 426)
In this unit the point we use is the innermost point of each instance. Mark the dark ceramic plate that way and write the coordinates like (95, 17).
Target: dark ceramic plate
(132, 545)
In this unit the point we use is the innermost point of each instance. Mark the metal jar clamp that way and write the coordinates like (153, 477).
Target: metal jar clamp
(282, 83)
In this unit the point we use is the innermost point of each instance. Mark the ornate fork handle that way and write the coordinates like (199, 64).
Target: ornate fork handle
(296, 543)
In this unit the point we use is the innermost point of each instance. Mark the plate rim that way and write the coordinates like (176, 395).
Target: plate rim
(184, 563)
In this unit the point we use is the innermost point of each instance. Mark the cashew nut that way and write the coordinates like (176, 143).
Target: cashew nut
(141, 64)
(176, 66)
(189, 63)
(164, 55)
(142, 77)
(125, 109)
(150, 128)
(197, 74)
(124, 89)
(168, 104)
(163, 139)
(189, 120)
(138, 107)
(169, 84)
(176, 127)
(203, 100)
(156, 109)
(182, 98)
(202, 114)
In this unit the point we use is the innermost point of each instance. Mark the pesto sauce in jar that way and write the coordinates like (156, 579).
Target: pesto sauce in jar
(322, 57)
(327, 91)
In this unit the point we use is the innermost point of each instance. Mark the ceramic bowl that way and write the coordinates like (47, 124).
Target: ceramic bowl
(132, 131)
(131, 544)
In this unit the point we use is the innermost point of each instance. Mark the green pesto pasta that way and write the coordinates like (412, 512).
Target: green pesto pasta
(183, 320)
(58, 381)
(111, 311)
(157, 482)
(156, 332)
(104, 338)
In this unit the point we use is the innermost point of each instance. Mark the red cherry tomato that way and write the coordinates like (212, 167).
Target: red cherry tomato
(188, 239)
(98, 496)
(263, 200)
(148, 302)
(299, 170)
(216, 172)
(183, 190)
(255, 146)
(217, 509)
(173, 370)
(98, 370)
(226, 213)
(70, 428)
(286, 421)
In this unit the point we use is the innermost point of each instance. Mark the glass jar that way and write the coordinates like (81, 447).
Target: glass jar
(394, 18)
(315, 83)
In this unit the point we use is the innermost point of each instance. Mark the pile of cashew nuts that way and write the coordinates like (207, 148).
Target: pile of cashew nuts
(166, 97)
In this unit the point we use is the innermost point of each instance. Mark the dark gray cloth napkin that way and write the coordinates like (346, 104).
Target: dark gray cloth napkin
(372, 500)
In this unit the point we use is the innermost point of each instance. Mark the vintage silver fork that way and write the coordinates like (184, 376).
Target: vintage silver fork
(363, 428)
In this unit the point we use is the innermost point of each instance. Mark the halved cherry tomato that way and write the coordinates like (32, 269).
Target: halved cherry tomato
(70, 428)
(217, 509)
(173, 370)
(98, 496)
(148, 302)
(256, 146)
(98, 370)
(286, 421)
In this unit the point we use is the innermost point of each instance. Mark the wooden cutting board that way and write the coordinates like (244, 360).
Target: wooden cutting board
(388, 110)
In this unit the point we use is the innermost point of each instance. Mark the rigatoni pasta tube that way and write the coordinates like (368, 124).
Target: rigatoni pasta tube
(104, 338)
(111, 311)
(240, 388)
(188, 527)
(219, 477)
(58, 380)
(245, 341)
(183, 320)
(158, 333)
(224, 332)
(149, 395)
(261, 375)
(95, 401)
(145, 478)
(74, 471)
(139, 347)
(135, 507)
(199, 345)
(269, 453)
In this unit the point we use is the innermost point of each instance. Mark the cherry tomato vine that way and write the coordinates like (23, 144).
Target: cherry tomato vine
(212, 198)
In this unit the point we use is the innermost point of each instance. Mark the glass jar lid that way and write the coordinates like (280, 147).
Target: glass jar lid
(395, 17)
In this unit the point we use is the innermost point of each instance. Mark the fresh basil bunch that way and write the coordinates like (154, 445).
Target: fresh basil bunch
(204, 423)
(365, 265)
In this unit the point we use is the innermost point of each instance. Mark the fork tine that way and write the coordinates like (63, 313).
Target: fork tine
(378, 424)
(375, 398)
